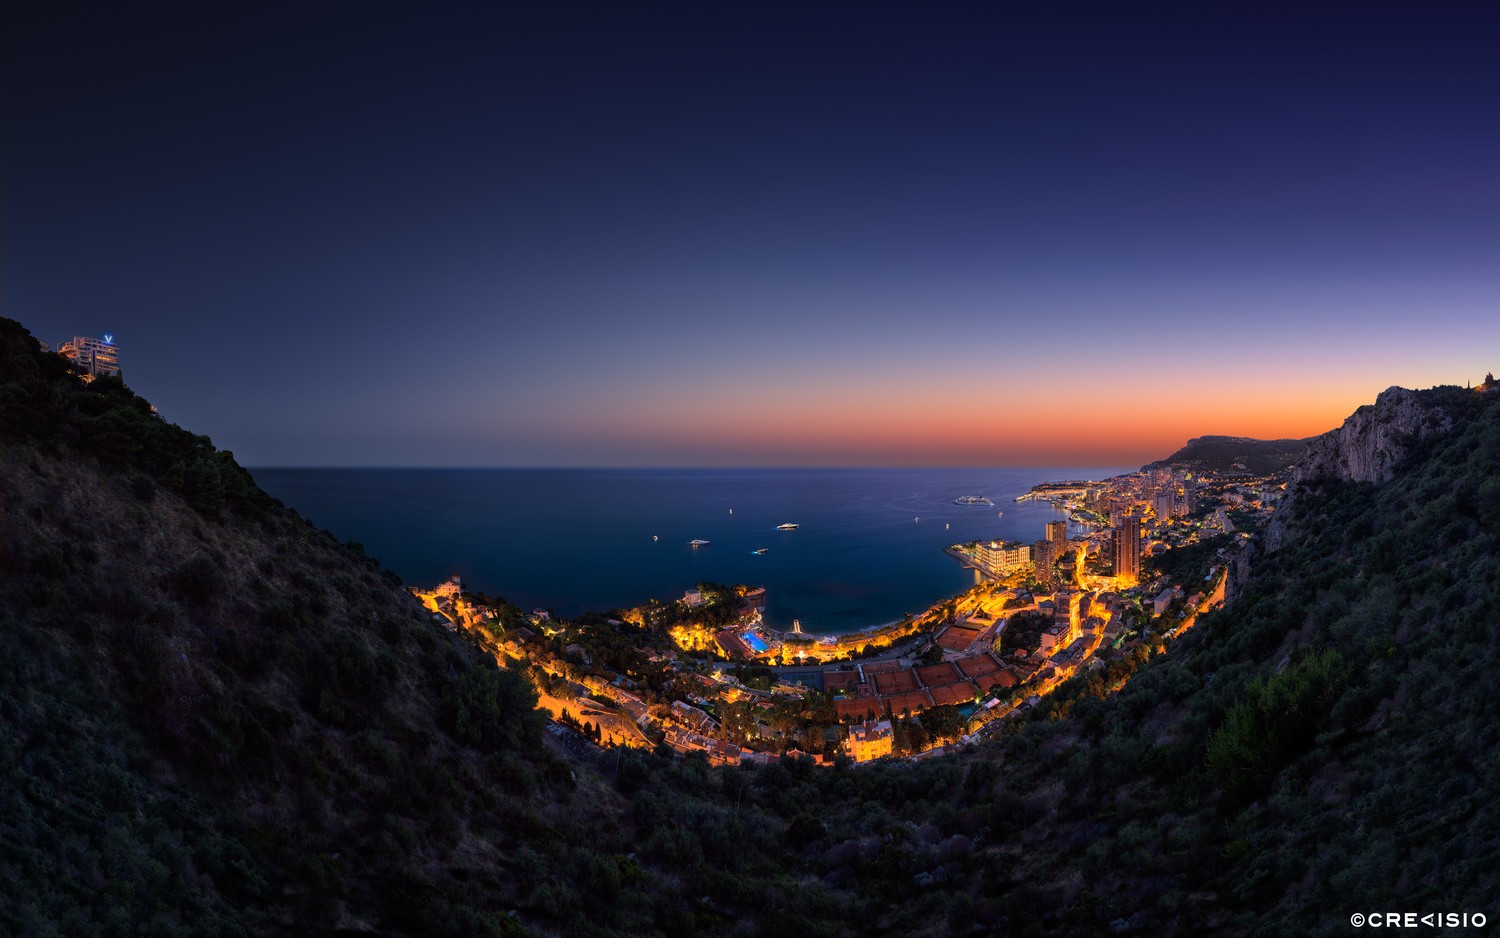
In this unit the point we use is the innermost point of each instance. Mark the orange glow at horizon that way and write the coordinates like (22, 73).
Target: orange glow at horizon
(946, 426)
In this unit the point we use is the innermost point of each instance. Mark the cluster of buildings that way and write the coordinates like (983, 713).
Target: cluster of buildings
(94, 357)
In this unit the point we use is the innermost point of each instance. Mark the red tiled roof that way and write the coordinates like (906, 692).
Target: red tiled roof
(733, 645)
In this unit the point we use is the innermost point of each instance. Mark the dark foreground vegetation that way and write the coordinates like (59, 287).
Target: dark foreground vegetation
(215, 719)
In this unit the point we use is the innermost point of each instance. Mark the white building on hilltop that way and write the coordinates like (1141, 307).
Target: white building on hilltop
(95, 356)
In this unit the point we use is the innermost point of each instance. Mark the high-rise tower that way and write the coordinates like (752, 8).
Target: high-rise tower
(1126, 540)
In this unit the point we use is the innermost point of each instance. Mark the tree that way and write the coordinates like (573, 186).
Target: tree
(943, 722)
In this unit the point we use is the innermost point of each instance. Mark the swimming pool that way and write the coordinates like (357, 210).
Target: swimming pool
(755, 642)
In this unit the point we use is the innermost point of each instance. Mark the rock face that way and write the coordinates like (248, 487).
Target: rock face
(1367, 448)
(1373, 440)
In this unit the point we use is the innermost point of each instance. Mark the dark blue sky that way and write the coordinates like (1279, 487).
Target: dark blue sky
(607, 234)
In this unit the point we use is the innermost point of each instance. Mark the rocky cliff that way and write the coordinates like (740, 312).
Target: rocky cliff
(1369, 447)
(1375, 438)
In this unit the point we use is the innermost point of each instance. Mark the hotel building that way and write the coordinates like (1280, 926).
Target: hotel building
(1003, 558)
(95, 356)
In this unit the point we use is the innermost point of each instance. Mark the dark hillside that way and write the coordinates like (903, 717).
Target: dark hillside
(217, 718)
(1222, 453)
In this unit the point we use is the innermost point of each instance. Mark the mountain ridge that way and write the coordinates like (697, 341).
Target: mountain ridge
(1222, 453)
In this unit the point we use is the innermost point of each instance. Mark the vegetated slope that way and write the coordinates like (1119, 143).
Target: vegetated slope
(214, 719)
(1221, 453)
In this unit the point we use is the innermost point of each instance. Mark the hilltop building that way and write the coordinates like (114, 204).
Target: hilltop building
(450, 588)
(95, 356)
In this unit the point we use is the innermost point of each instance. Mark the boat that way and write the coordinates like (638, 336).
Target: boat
(973, 500)
(655, 538)
(789, 526)
(759, 550)
(697, 542)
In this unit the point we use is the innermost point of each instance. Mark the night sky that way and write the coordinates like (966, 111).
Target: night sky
(757, 233)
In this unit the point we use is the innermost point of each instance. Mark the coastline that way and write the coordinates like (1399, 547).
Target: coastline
(577, 541)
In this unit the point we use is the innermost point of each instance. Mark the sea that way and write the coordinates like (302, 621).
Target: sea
(868, 549)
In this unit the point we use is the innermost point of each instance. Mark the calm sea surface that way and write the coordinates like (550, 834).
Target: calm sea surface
(582, 539)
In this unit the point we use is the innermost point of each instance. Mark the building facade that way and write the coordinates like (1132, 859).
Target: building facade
(1004, 558)
(1126, 541)
(98, 357)
(1044, 558)
(1057, 533)
(870, 740)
